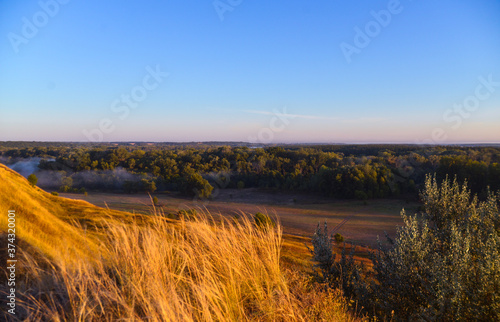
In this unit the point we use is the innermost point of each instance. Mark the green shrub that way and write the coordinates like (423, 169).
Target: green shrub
(172, 216)
(54, 193)
(262, 220)
(443, 265)
(338, 238)
(361, 195)
(187, 214)
(155, 201)
(32, 179)
(344, 274)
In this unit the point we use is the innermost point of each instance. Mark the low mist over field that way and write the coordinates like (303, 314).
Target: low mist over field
(24, 167)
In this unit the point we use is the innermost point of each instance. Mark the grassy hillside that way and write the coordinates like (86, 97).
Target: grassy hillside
(51, 224)
(81, 262)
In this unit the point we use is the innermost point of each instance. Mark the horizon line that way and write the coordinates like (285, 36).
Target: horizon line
(262, 144)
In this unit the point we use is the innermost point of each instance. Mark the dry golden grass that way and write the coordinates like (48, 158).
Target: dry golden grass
(52, 224)
(151, 268)
(191, 271)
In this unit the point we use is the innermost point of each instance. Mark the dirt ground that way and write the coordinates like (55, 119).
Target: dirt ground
(298, 213)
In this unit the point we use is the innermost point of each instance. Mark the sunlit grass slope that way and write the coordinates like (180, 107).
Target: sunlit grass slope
(44, 221)
(132, 268)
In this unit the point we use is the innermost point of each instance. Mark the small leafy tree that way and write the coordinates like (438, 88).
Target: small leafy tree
(344, 273)
(195, 185)
(148, 185)
(32, 179)
(67, 182)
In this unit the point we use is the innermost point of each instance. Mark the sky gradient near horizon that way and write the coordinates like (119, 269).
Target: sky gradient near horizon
(237, 70)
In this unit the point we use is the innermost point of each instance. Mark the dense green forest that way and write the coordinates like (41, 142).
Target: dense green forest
(341, 171)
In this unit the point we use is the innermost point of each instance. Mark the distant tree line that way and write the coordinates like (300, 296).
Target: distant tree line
(342, 171)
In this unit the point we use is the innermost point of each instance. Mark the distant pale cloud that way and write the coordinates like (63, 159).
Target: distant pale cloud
(302, 116)
(362, 120)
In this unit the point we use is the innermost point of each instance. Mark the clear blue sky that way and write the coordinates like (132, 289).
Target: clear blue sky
(63, 66)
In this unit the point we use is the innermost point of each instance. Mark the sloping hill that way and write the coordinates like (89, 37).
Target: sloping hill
(85, 263)
(51, 224)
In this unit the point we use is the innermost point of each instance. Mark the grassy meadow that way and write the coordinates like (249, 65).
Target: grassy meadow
(79, 262)
(298, 213)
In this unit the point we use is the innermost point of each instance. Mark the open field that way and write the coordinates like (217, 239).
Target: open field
(298, 213)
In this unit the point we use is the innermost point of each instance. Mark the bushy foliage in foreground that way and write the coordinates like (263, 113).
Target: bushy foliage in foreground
(444, 264)
(343, 273)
